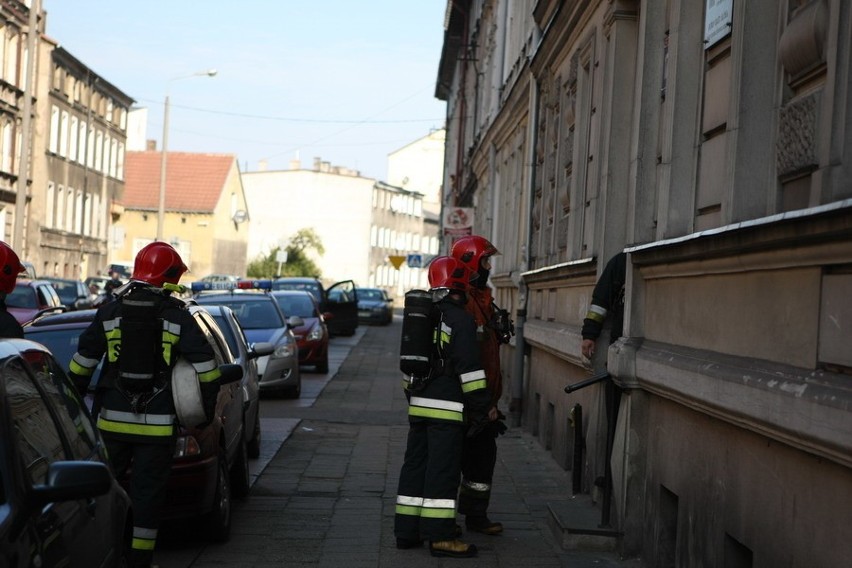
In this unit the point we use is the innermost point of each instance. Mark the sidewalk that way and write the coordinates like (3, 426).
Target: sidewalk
(327, 497)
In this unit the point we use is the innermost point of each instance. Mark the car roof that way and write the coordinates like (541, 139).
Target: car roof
(77, 317)
(10, 347)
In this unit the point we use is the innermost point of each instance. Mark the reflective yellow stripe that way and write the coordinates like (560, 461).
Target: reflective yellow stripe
(436, 413)
(136, 429)
(408, 510)
(438, 513)
(78, 369)
(142, 544)
(474, 386)
(596, 313)
(209, 376)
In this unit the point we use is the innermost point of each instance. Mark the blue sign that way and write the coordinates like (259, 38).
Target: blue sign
(415, 261)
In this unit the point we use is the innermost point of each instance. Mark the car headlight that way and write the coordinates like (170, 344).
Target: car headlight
(315, 334)
(284, 350)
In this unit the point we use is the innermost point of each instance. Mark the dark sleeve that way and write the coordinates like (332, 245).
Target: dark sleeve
(468, 365)
(90, 349)
(606, 290)
(9, 326)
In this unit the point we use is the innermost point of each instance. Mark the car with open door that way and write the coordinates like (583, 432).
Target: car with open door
(338, 303)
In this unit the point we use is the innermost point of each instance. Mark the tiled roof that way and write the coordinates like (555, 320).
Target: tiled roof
(194, 182)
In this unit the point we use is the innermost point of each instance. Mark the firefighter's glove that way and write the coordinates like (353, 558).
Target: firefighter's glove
(499, 427)
(477, 426)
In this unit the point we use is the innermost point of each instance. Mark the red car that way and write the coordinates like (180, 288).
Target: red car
(312, 335)
(32, 298)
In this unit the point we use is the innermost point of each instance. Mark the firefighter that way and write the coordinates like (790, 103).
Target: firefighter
(439, 405)
(493, 327)
(10, 267)
(141, 335)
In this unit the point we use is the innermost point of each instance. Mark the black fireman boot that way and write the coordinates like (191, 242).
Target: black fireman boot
(482, 524)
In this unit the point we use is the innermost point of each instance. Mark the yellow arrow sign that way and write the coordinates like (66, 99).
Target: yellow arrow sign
(396, 260)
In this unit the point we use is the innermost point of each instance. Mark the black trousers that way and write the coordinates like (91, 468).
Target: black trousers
(429, 481)
(151, 466)
(478, 460)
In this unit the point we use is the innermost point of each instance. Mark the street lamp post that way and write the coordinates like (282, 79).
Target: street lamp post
(161, 210)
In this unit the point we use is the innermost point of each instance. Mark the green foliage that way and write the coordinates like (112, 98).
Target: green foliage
(298, 263)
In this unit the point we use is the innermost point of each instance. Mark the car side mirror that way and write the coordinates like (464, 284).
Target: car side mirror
(230, 373)
(72, 480)
(295, 321)
(260, 349)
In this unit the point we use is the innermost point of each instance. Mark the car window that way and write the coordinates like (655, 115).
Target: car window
(214, 336)
(72, 418)
(38, 441)
(312, 287)
(228, 332)
(366, 294)
(301, 306)
(22, 296)
(252, 313)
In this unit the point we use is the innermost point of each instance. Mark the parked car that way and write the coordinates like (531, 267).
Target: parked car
(312, 336)
(246, 357)
(374, 306)
(29, 270)
(262, 321)
(59, 503)
(338, 303)
(74, 294)
(99, 283)
(32, 298)
(210, 464)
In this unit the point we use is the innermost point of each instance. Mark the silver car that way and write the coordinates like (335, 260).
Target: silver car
(262, 321)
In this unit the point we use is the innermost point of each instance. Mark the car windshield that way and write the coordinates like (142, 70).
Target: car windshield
(311, 287)
(22, 297)
(252, 313)
(296, 305)
(369, 294)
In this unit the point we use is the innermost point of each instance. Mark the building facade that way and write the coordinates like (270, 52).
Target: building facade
(361, 222)
(205, 213)
(78, 167)
(708, 140)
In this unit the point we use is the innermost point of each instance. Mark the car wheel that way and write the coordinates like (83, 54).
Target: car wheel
(253, 447)
(322, 366)
(240, 477)
(219, 519)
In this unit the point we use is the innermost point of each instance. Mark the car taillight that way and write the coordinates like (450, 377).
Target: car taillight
(187, 446)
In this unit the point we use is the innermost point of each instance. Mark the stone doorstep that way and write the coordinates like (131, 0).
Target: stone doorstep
(576, 525)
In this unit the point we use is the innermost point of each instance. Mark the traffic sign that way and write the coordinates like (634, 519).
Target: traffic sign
(396, 260)
(415, 261)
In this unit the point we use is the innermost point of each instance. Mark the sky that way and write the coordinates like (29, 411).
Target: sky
(346, 81)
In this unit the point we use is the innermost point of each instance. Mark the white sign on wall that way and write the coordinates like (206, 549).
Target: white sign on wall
(718, 19)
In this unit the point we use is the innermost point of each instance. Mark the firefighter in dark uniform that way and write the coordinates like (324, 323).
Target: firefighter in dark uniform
(492, 329)
(141, 335)
(10, 267)
(441, 407)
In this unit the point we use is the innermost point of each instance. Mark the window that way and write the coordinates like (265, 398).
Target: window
(8, 147)
(54, 130)
(50, 205)
(63, 134)
(84, 143)
(35, 434)
(73, 135)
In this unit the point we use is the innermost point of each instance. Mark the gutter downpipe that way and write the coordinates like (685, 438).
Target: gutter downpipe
(462, 107)
(517, 386)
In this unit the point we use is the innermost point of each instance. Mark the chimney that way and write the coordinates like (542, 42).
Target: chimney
(295, 164)
(151, 145)
(317, 162)
(262, 165)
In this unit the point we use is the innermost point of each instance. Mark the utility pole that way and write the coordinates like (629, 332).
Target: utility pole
(26, 134)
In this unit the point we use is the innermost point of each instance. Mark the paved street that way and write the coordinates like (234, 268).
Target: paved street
(324, 487)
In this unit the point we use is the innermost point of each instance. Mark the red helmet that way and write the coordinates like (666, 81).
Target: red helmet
(447, 272)
(158, 263)
(471, 249)
(10, 267)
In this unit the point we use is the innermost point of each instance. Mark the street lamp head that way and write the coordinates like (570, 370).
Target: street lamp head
(211, 72)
